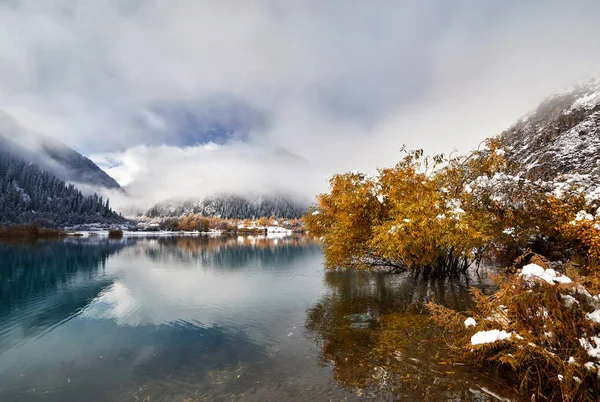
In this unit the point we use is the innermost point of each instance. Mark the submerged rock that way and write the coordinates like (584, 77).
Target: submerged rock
(360, 325)
(360, 321)
(366, 317)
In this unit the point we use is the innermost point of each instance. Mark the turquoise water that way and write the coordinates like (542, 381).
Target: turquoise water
(199, 318)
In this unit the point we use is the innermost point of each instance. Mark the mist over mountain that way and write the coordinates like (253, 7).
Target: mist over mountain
(51, 155)
(561, 136)
(29, 194)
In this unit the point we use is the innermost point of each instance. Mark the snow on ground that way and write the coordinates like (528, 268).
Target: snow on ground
(165, 233)
(569, 300)
(494, 335)
(470, 322)
(589, 348)
(594, 316)
(549, 275)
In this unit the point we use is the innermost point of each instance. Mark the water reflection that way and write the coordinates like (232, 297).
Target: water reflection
(374, 331)
(229, 252)
(42, 283)
(160, 318)
(242, 282)
(209, 318)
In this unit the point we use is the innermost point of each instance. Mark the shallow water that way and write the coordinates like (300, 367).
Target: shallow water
(232, 318)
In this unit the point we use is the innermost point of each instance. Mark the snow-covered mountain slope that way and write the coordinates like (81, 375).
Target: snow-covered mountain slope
(228, 206)
(51, 155)
(562, 136)
(29, 194)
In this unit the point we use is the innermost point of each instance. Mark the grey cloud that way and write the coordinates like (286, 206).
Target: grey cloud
(342, 84)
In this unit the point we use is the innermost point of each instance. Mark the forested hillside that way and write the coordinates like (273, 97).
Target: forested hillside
(29, 194)
(232, 207)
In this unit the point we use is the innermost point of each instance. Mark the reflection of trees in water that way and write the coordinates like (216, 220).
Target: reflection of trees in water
(45, 282)
(401, 355)
(385, 293)
(230, 251)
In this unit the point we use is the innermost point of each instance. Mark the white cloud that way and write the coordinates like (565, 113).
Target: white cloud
(154, 174)
(341, 84)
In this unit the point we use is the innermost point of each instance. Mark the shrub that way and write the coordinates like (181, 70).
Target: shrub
(540, 325)
(193, 222)
(31, 231)
(115, 234)
(437, 214)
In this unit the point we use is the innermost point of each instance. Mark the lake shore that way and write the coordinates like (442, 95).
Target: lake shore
(29, 231)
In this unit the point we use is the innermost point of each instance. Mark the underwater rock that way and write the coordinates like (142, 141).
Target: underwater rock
(366, 317)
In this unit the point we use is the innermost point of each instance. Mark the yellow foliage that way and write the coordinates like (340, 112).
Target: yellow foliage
(345, 219)
(264, 221)
(424, 213)
(546, 323)
(575, 218)
(193, 222)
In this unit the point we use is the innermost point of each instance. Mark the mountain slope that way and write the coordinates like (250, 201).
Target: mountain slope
(228, 206)
(562, 136)
(51, 155)
(29, 194)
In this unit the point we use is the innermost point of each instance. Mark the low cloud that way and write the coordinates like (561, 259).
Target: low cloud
(153, 174)
(181, 99)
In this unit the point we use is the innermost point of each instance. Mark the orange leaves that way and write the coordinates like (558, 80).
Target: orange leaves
(440, 213)
(345, 218)
(193, 223)
(577, 223)
(549, 325)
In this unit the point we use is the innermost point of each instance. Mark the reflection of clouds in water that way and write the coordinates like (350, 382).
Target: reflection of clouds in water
(113, 303)
(181, 324)
(158, 291)
(150, 294)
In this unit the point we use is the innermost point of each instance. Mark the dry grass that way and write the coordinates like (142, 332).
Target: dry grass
(30, 231)
(115, 234)
(546, 323)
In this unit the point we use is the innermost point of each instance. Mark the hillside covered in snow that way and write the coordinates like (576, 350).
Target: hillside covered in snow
(562, 136)
(30, 194)
(228, 206)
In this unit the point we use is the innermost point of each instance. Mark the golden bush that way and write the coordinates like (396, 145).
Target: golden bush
(549, 332)
(436, 213)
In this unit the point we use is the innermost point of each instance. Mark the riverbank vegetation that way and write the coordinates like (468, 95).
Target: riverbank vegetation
(540, 329)
(200, 223)
(441, 215)
(30, 231)
(115, 234)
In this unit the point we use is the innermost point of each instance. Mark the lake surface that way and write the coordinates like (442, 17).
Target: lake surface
(209, 318)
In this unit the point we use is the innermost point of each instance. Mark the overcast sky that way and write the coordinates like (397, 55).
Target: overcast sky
(179, 98)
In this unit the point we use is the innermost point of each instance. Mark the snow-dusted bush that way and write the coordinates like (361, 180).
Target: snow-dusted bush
(437, 213)
(541, 326)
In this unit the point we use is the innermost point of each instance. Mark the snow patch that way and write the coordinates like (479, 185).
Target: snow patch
(594, 316)
(494, 335)
(549, 275)
(470, 322)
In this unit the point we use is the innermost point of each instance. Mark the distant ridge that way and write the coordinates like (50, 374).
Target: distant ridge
(229, 206)
(29, 194)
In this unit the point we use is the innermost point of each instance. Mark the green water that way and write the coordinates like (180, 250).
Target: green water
(207, 318)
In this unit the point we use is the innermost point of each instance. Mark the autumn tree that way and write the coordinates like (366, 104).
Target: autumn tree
(440, 213)
(264, 221)
(344, 220)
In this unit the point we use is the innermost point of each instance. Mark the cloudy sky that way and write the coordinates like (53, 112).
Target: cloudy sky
(179, 98)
